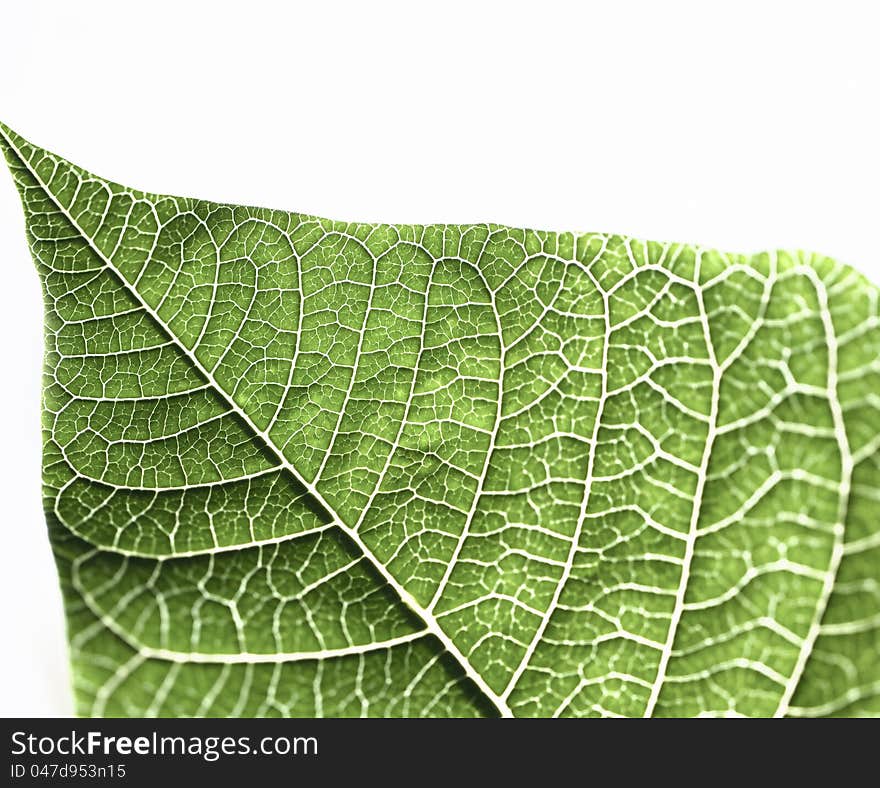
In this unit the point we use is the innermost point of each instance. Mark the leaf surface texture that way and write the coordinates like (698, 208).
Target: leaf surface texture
(295, 466)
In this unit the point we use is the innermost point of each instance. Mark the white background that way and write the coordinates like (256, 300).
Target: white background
(744, 125)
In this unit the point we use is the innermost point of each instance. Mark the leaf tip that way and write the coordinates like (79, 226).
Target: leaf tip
(9, 140)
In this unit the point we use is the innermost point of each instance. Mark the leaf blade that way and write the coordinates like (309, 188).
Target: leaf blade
(531, 437)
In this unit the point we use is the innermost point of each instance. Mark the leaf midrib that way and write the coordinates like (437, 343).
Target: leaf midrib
(405, 596)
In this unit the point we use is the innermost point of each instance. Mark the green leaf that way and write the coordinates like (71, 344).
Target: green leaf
(304, 467)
